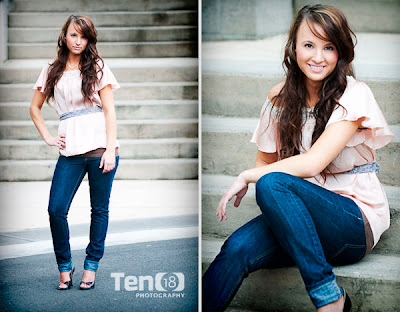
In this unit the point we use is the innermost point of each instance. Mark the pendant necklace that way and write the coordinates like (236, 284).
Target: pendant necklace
(73, 68)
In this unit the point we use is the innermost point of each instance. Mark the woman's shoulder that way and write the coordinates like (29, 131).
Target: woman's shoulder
(356, 94)
(275, 90)
(356, 88)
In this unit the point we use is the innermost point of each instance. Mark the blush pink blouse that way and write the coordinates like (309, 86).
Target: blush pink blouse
(85, 132)
(363, 188)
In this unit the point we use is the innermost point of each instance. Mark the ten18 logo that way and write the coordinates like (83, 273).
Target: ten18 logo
(162, 281)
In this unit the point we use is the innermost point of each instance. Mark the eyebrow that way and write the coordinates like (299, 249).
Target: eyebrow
(309, 41)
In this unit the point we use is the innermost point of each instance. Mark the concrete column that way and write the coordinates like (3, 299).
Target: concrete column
(3, 30)
(245, 19)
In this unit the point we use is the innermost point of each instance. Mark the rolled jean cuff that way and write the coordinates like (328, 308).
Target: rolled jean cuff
(325, 293)
(91, 265)
(65, 267)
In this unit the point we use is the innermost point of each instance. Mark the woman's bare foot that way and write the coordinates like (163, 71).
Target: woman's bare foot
(88, 277)
(336, 306)
(64, 277)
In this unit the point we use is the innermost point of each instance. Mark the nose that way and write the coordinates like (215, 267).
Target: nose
(318, 56)
(78, 40)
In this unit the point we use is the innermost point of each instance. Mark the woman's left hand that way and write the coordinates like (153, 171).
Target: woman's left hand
(239, 188)
(108, 161)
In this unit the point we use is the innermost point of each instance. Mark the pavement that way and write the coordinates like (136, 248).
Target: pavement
(153, 234)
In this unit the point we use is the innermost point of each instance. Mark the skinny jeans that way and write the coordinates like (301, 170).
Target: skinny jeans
(301, 224)
(68, 175)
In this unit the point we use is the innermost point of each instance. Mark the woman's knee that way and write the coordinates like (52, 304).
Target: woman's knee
(57, 211)
(273, 181)
(100, 212)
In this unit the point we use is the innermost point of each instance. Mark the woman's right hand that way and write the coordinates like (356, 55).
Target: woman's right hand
(238, 188)
(58, 141)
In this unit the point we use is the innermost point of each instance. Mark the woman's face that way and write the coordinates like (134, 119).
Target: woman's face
(315, 57)
(76, 41)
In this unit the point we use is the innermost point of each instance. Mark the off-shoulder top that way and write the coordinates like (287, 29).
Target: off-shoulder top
(364, 189)
(83, 132)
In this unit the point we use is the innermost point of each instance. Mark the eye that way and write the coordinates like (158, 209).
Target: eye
(73, 35)
(308, 45)
(330, 48)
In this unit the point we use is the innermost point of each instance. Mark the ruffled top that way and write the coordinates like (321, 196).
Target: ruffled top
(364, 189)
(83, 133)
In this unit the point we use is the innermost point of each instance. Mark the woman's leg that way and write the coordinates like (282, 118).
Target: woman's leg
(67, 177)
(315, 226)
(100, 189)
(250, 248)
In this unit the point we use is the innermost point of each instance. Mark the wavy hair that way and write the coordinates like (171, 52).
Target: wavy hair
(90, 63)
(291, 100)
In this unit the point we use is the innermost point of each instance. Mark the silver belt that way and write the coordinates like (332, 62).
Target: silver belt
(80, 112)
(370, 167)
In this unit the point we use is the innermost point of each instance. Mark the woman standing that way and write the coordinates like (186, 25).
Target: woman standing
(316, 185)
(81, 85)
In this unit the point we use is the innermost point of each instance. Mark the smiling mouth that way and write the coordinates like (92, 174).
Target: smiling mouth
(315, 68)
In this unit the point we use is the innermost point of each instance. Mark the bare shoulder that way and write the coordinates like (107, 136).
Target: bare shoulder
(275, 90)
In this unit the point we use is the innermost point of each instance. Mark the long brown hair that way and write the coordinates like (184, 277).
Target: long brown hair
(90, 63)
(291, 100)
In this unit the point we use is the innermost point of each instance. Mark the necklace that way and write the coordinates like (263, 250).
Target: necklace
(72, 68)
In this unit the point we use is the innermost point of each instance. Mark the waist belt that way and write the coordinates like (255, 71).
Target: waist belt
(370, 167)
(80, 112)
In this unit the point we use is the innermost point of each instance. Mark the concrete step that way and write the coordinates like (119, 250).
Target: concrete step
(125, 70)
(130, 148)
(127, 129)
(129, 169)
(110, 49)
(102, 5)
(141, 109)
(366, 16)
(238, 95)
(373, 284)
(106, 19)
(107, 34)
(213, 186)
(22, 92)
(227, 148)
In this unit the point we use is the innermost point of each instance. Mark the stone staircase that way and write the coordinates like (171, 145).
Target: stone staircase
(237, 76)
(151, 47)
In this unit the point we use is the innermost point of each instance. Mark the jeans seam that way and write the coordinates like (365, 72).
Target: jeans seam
(344, 247)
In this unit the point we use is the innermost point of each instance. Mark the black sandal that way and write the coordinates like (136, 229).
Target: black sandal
(68, 283)
(347, 302)
(90, 284)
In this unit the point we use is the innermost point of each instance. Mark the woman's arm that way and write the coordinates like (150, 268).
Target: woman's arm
(321, 154)
(107, 100)
(36, 115)
(263, 158)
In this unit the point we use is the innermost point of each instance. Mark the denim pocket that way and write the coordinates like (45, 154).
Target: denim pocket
(348, 254)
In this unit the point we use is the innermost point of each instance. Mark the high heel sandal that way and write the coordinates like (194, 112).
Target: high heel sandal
(347, 302)
(67, 283)
(90, 284)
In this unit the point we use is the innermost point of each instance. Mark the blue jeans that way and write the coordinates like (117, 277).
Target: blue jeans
(68, 175)
(301, 224)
